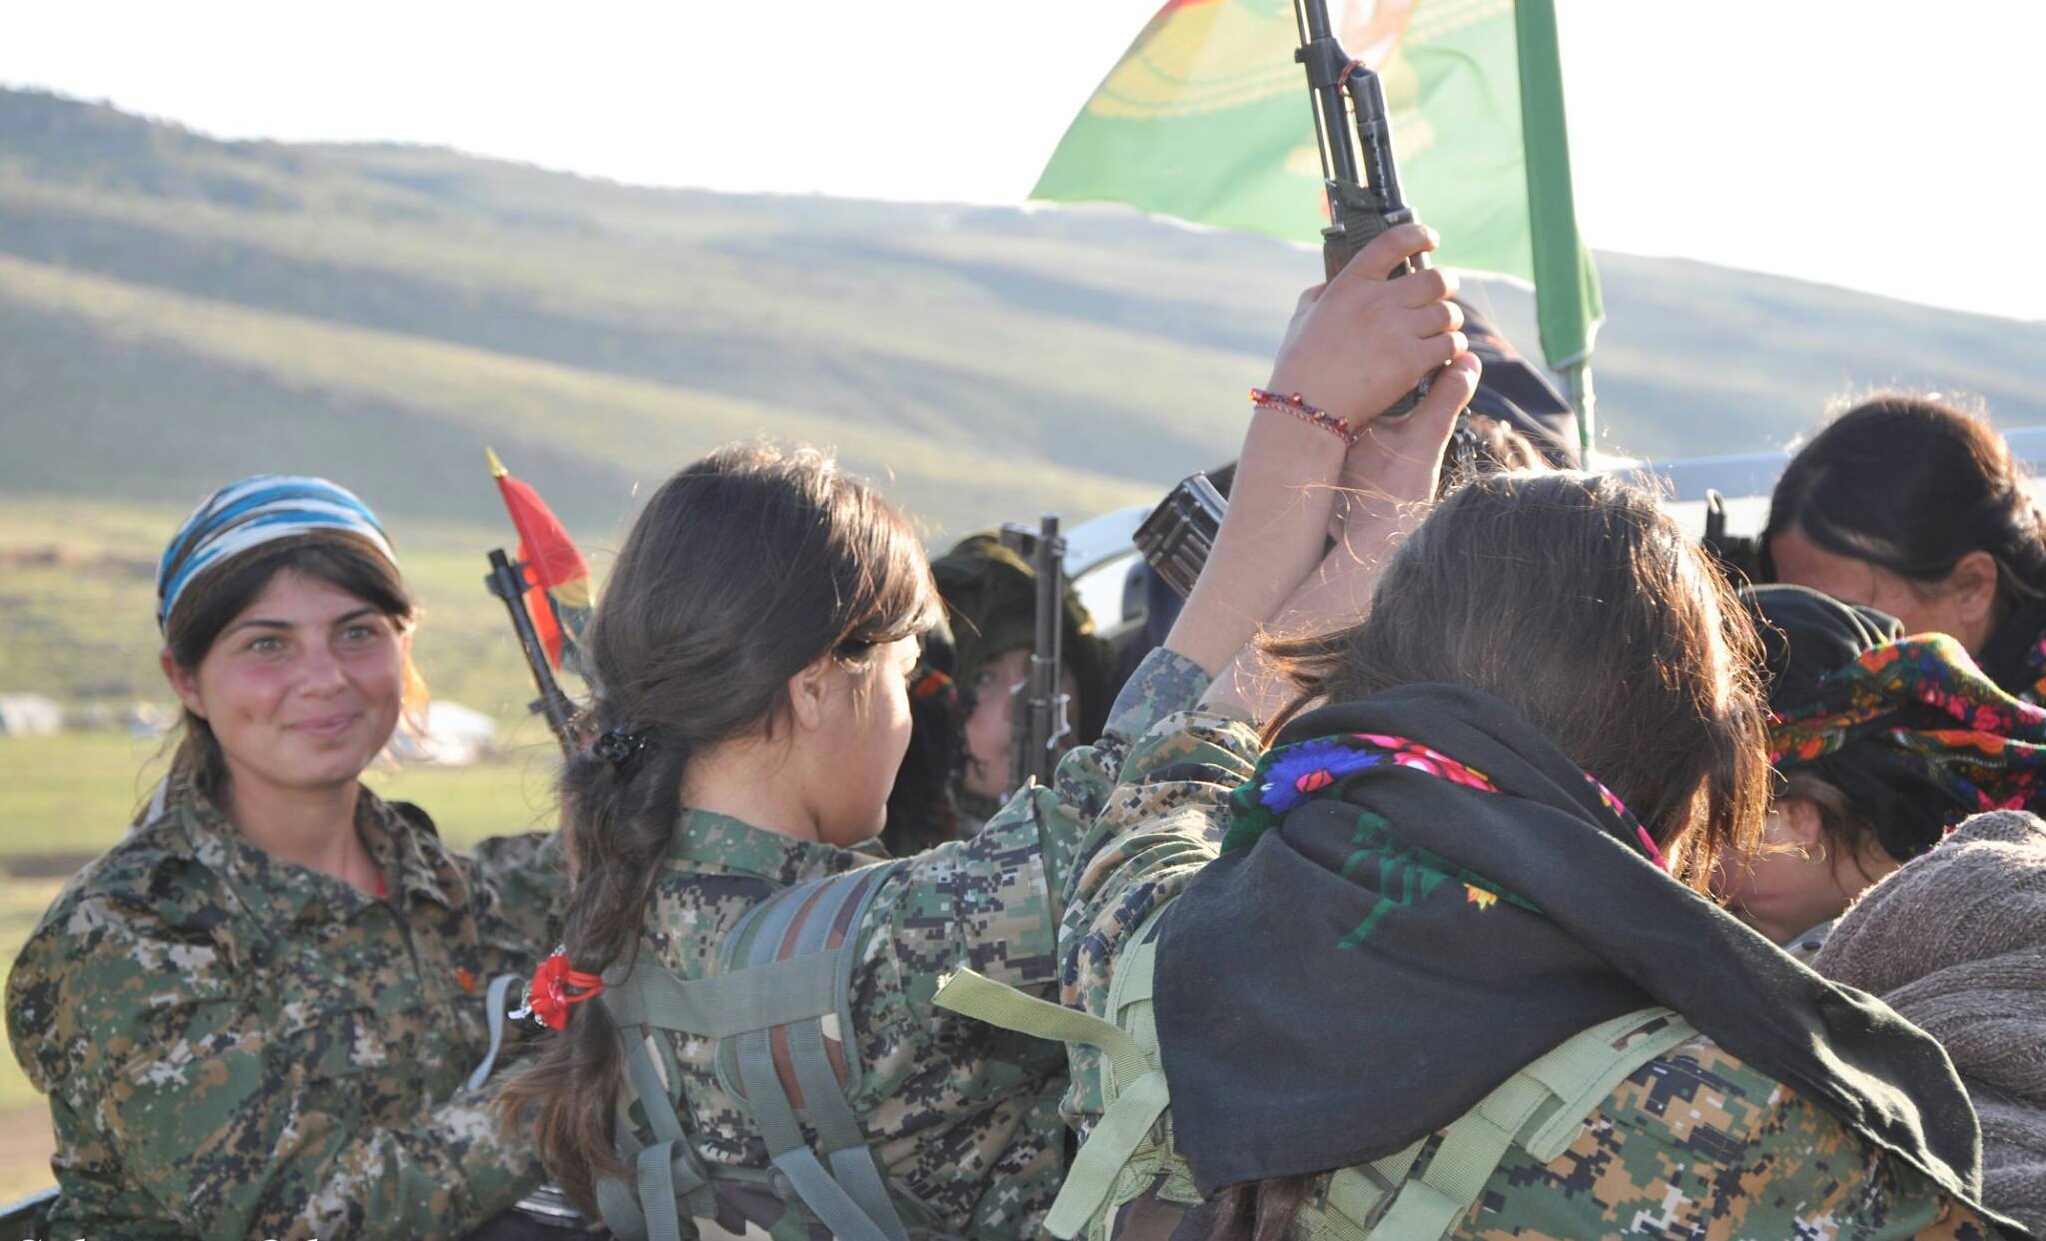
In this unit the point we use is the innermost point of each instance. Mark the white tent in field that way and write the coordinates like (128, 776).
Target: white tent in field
(29, 715)
(454, 736)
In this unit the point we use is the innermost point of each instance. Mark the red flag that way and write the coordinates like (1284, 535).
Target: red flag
(557, 576)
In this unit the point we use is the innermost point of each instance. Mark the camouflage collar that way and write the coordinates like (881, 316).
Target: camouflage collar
(272, 889)
(409, 853)
(707, 840)
(975, 811)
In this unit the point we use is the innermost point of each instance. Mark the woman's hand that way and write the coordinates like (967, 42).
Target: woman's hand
(1362, 341)
(1356, 344)
(1394, 469)
(1391, 486)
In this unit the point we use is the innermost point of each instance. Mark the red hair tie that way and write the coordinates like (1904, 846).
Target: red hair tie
(554, 988)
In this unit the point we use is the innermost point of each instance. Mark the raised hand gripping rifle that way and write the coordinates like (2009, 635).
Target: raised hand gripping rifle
(1362, 184)
(1358, 172)
(1039, 720)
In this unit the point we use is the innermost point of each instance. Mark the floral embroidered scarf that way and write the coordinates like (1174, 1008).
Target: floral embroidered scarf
(1419, 895)
(1909, 728)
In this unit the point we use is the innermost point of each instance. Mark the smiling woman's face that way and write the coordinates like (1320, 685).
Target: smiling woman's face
(302, 689)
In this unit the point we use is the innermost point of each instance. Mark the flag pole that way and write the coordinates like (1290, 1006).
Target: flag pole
(1569, 306)
(1584, 400)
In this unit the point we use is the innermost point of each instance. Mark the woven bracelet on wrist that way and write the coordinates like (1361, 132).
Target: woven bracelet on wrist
(1299, 408)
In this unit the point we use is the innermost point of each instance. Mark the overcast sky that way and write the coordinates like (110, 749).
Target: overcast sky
(1879, 144)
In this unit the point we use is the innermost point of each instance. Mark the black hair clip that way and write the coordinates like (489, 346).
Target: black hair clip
(620, 745)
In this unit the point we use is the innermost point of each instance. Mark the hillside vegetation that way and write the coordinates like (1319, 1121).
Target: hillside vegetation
(200, 308)
(176, 311)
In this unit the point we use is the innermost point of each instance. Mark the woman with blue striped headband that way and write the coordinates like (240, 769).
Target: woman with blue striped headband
(263, 1013)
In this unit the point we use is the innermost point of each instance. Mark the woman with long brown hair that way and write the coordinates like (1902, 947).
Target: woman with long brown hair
(750, 1044)
(1428, 955)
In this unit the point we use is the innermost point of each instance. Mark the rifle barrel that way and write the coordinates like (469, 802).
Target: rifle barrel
(508, 582)
(1047, 662)
(1324, 58)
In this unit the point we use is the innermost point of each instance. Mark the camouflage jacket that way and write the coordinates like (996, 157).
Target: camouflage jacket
(963, 1114)
(234, 1046)
(1694, 1145)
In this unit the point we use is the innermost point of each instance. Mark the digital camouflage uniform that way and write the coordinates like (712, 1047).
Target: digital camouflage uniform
(962, 1114)
(1694, 1145)
(234, 1046)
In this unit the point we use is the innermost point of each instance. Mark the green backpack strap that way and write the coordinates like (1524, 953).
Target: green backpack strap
(1133, 1084)
(785, 968)
(1123, 1126)
(1541, 1108)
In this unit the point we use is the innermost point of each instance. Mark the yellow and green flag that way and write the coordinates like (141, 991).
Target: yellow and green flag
(1207, 118)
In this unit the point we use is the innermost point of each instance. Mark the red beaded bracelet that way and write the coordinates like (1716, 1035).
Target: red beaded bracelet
(1299, 408)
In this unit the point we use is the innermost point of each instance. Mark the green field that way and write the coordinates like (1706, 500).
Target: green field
(77, 604)
(73, 795)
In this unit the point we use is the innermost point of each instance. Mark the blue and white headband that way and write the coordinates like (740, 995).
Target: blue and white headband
(258, 510)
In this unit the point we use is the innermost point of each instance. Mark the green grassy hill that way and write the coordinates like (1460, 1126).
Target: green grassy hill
(176, 311)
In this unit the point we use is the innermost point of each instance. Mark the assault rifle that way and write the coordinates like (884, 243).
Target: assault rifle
(1362, 184)
(1357, 168)
(507, 581)
(1039, 720)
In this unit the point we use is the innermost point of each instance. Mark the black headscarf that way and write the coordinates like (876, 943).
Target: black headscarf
(1392, 931)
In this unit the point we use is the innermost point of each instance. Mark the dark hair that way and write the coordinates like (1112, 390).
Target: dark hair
(1911, 484)
(1845, 831)
(225, 591)
(1503, 446)
(1577, 601)
(744, 569)
(923, 807)
(990, 595)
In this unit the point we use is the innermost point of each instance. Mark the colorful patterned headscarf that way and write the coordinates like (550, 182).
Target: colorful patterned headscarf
(1914, 734)
(257, 510)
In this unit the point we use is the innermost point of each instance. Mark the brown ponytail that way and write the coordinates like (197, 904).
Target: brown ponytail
(744, 569)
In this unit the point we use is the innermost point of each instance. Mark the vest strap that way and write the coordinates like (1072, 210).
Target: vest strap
(1551, 1096)
(494, 1016)
(1122, 1129)
(974, 995)
(785, 968)
(752, 998)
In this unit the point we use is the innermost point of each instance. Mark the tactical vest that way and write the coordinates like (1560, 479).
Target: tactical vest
(780, 1006)
(1402, 1197)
